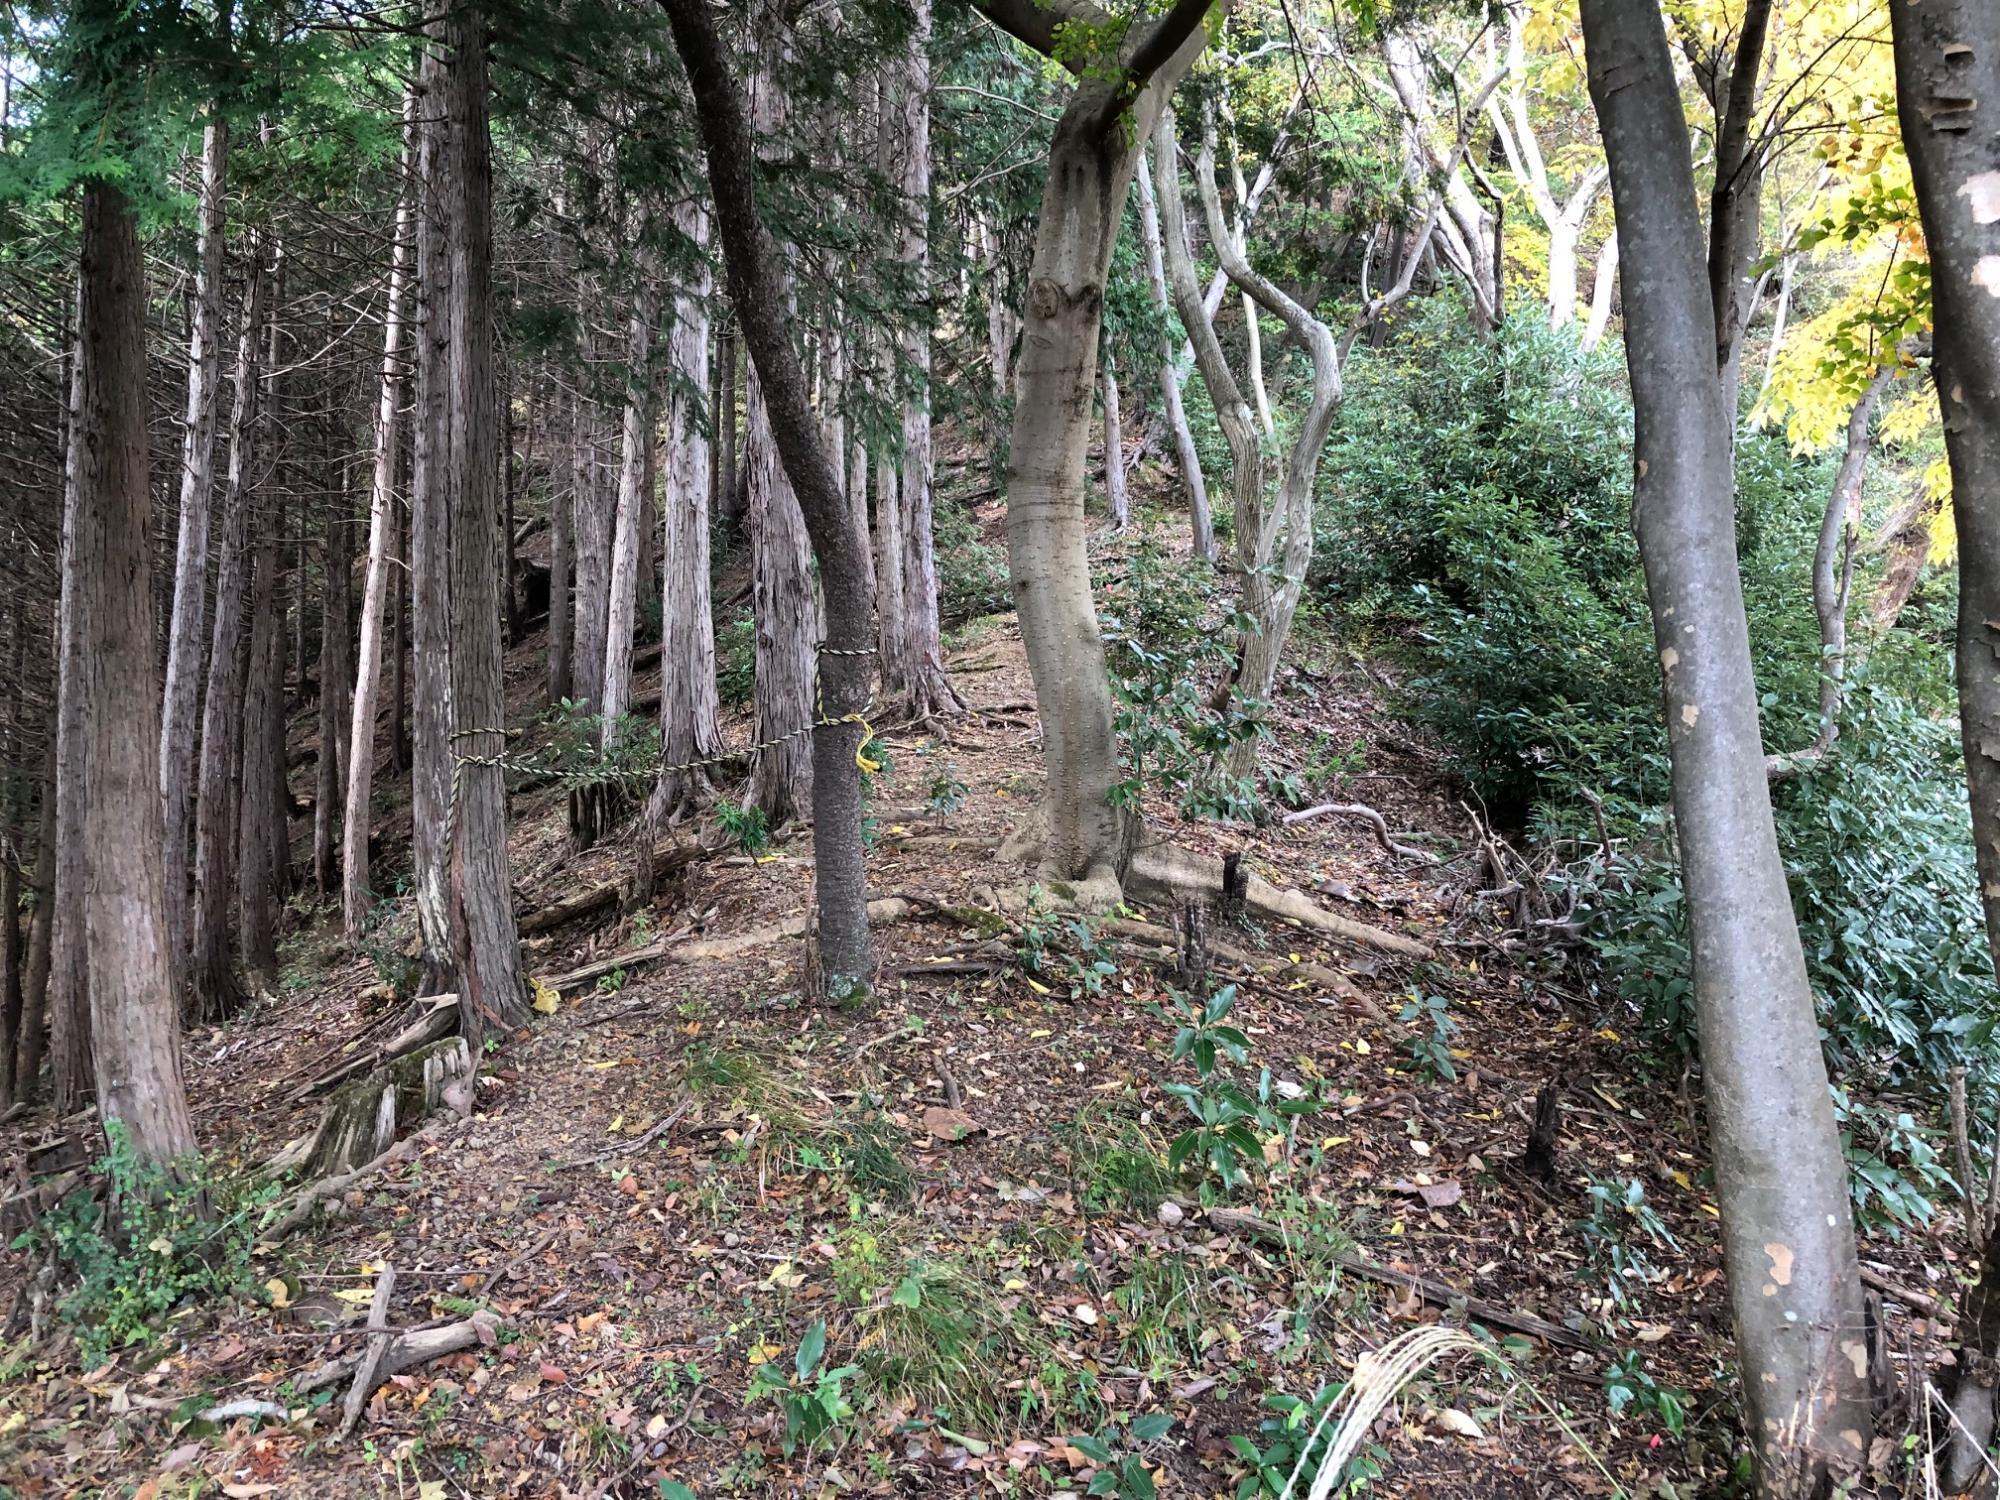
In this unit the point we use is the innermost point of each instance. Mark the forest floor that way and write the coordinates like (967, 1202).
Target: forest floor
(669, 1181)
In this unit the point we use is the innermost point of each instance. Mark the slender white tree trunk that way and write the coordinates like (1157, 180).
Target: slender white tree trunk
(1603, 285)
(184, 630)
(1115, 491)
(1186, 456)
(616, 667)
(357, 895)
(690, 715)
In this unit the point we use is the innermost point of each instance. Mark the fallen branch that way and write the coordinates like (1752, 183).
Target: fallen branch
(367, 1374)
(1372, 817)
(1239, 1221)
(407, 1351)
(638, 1143)
(1922, 1302)
(436, 1021)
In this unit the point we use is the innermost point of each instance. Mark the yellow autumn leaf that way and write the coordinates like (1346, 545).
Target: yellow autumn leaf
(281, 1295)
(356, 1294)
(546, 999)
(1039, 989)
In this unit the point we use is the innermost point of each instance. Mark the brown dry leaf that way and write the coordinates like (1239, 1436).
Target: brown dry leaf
(950, 1124)
(248, 1491)
(1434, 1194)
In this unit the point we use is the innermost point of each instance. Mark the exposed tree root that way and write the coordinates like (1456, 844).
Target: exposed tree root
(360, 1121)
(881, 913)
(300, 1209)
(1166, 873)
(1166, 944)
(1368, 814)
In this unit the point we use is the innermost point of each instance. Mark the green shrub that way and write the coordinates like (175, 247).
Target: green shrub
(146, 1239)
(972, 572)
(736, 658)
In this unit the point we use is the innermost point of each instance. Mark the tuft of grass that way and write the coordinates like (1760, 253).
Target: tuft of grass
(1116, 1163)
(1163, 1307)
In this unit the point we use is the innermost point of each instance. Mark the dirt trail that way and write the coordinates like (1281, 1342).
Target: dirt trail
(673, 1178)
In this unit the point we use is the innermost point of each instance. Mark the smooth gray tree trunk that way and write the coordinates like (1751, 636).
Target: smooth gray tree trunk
(1780, 1178)
(1947, 91)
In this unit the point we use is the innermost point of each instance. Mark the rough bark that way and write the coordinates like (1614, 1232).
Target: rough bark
(135, 1042)
(562, 552)
(1781, 1182)
(1947, 88)
(1186, 457)
(892, 651)
(184, 628)
(263, 852)
(1081, 837)
(432, 632)
(213, 990)
(614, 669)
(336, 687)
(927, 692)
(69, 964)
(261, 816)
(485, 946)
(1465, 228)
(357, 894)
(690, 713)
(757, 281)
(592, 509)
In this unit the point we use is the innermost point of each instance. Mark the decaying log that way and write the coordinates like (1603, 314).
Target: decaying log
(437, 1016)
(367, 1374)
(1238, 1221)
(606, 897)
(1166, 873)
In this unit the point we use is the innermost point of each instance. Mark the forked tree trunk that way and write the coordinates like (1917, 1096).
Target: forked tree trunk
(135, 1036)
(184, 629)
(433, 636)
(1781, 1182)
(690, 713)
(214, 992)
(846, 958)
(357, 894)
(1186, 458)
(1947, 90)
(486, 946)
